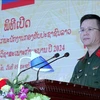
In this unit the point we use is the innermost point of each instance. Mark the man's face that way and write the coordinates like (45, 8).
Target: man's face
(90, 33)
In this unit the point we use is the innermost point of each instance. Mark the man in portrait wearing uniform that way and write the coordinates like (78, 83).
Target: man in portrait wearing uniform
(87, 70)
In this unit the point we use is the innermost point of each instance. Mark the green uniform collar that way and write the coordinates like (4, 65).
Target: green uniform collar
(97, 53)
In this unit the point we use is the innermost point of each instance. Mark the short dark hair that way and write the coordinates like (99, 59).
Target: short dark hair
(91, 16)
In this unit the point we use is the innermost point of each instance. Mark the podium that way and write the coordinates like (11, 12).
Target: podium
(57, 90)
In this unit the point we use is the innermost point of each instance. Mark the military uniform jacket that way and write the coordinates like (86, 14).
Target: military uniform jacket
(87, 70)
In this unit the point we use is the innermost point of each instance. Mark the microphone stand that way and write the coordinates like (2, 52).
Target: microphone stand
(55, 56)
(46, 65)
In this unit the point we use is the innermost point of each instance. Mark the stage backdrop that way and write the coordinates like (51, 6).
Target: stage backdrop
(45, 27)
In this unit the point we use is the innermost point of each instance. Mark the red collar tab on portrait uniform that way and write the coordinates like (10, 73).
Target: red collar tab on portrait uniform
(98, 53)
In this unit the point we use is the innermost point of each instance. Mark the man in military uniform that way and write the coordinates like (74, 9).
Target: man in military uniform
(87, 70)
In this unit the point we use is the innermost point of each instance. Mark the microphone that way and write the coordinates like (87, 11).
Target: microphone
(55, 56)
(65, 55)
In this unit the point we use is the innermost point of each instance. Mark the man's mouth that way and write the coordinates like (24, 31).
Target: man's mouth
(86, 38)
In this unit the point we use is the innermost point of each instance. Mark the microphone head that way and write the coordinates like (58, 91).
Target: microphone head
(56, 55)
(66, 54)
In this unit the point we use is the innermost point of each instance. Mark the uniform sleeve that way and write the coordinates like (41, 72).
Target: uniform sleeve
(73, 77)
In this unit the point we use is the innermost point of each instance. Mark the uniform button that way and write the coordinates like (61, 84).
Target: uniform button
(80, 70)
(77, 76)
(88, 63)
(85, 74)
(93, 74)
